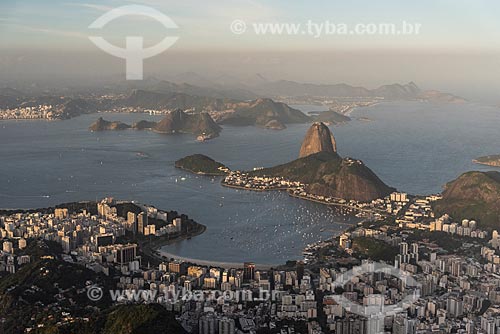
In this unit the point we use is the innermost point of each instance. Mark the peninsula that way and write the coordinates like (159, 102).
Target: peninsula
(319, 174)
(489, 160)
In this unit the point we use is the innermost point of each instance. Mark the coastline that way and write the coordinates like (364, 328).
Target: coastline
(153, 249)
(329, 203)
(489, 164)
(199, 173)
(352, 109)
(220, 264)
(224, 184)
(305, 198)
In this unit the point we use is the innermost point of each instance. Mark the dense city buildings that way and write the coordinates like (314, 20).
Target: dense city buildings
(456, 272)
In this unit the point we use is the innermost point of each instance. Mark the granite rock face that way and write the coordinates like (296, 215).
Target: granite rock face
(103, 125)
(180, 122)
(318, 138)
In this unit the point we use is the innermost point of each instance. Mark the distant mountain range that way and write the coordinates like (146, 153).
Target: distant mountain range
(409, 91)
(196, 88)
(164, 94)
(247, 103)
(259, 86)
(263, 113)
(172, 100)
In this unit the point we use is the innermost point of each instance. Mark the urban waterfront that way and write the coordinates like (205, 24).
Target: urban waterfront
(57, 162)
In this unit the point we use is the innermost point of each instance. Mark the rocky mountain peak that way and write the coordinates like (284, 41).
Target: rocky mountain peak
(318, 138)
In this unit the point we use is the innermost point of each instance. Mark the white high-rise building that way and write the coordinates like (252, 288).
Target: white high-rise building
(403, 248)
(8, 247)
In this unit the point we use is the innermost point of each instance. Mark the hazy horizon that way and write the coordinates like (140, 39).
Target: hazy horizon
(456, 51)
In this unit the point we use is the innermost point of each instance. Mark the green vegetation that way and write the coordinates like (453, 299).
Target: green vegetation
(374, 249)
(490, 160)
(447, 241)
(474, 195)
(141, 319)
(328, 174)
(90, 206)
(200, 164)
(388, 222)
(49, 296)
(125, 319)
(180, 122)
(39, 290)
(165, 99)
(262, 111)
(143, 125)
(305, 169)
(176, 121)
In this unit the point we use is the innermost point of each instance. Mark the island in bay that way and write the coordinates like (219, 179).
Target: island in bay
(201, 164)
(489, 160)
(202, 125)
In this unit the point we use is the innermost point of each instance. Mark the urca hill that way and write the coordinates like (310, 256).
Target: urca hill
(473, 195)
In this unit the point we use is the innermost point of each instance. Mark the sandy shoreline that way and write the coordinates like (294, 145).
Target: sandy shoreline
(161, 255)
(225, 265)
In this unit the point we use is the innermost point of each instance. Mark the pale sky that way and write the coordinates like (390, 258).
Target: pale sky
(457, 48)
(446, 24)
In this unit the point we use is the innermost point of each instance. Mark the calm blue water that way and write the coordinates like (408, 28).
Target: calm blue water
(416, 147)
